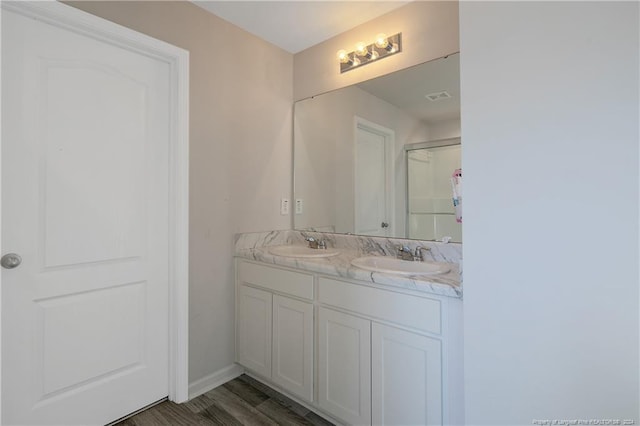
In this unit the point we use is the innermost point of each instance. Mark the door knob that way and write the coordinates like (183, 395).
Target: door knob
(10, 261)
(384, 224)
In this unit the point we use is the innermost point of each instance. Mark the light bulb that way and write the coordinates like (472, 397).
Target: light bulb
(374, 55)
(382, 41)
(356, 62)
(361, 49)
(343, 56)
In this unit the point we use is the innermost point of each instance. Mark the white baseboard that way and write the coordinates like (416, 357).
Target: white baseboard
(214, 380)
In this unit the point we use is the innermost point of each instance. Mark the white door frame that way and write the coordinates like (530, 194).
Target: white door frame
(70, 18)
(390, 190)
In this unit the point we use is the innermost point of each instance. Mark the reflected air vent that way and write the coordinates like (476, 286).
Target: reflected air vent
(438, 96)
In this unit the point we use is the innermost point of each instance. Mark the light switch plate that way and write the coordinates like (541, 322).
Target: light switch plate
(299, 205)
(284, 206)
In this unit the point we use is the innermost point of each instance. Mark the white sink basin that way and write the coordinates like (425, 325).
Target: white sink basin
(392, 265)
(302, 251)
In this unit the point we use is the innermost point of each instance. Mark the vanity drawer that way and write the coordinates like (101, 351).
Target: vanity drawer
(420, 313)
(280, 280)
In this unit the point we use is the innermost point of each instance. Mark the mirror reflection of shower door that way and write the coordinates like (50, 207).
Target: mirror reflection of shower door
(431, 215)
(373, 179)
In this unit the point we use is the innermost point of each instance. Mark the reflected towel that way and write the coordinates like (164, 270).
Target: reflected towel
(456, 188)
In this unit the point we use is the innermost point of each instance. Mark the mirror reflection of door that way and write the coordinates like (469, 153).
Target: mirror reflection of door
(431, 215)
(373, 179)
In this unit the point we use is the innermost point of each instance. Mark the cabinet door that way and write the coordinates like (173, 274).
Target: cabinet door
(254, 330)
(292, 366)
(344, 366)
(406, 377)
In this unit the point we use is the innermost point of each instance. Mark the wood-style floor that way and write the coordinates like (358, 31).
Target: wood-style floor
(242, 401)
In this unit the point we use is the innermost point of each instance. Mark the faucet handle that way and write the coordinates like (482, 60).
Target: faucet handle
(313, 243)
(404, 253)
(419, 255)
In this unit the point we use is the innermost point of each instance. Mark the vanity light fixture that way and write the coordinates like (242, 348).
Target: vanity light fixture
(382, 47)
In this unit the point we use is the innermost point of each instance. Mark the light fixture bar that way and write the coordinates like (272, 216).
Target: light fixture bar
(382, 47)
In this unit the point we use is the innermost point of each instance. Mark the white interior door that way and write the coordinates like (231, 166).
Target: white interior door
(85, 139)
(373, 180)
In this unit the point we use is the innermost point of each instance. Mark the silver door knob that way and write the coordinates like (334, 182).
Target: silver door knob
(384, 224)
(10, 261)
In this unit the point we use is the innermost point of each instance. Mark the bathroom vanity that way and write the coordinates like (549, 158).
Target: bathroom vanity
(356, 346)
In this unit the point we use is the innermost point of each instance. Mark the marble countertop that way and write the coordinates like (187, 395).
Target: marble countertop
(340, 266)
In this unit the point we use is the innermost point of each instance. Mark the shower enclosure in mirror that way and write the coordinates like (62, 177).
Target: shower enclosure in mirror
(350, 160)
(430, 211)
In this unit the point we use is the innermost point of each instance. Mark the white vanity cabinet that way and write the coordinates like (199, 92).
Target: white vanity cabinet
(274, 326)
(383, 355)
(371, 373)
(403, 371)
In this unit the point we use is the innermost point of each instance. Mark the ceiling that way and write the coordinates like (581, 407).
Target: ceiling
(297, 25)
(407, 89)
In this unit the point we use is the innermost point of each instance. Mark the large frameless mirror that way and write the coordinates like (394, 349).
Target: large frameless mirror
(352, 154)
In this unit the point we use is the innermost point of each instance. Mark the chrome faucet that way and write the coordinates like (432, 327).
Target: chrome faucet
(404, 253)
(418, 255)
(316, 244)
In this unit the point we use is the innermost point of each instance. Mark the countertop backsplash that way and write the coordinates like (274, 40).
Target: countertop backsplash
(252, 240)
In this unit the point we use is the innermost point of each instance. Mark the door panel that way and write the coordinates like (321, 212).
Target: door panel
(85, 196)
(406, 377)
(344, 366)
(92, 163)
(254, 316)
(117, 320)
(293, 346)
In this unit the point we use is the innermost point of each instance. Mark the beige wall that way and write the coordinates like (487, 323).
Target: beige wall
(429, 31)
(241, 96)
(240, 162)
(446, 129)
